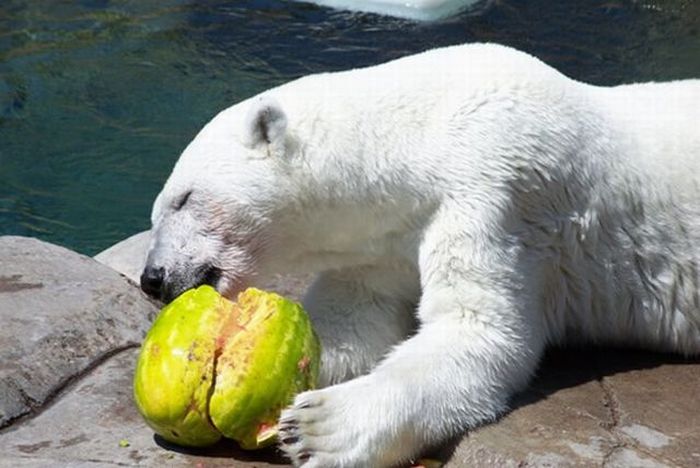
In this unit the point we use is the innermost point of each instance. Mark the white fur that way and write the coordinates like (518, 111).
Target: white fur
(466, 207)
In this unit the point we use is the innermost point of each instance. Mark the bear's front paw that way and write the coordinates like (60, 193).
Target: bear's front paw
(335, 427)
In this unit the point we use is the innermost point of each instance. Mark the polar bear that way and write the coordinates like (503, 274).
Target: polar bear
(463, 208)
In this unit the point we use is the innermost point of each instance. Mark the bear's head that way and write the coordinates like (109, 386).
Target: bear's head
(270, 188)
(213, 220)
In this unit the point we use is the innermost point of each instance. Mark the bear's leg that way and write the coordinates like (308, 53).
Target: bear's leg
(456, 373)
(479, 342)
(359, 315)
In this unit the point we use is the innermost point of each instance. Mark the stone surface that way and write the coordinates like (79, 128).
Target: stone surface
(128, 257)
(60, 314)
(597, 407)
(579, 412)
(86, 425)
(587, 407)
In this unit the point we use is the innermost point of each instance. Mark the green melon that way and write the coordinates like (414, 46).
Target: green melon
(210, 367)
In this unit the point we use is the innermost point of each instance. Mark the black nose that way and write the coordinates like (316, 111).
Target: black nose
(152, 281)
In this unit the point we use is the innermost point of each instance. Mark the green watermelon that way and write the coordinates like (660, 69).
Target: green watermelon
(210, 367)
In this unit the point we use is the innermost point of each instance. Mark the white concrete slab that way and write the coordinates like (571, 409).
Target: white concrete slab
(422, 10)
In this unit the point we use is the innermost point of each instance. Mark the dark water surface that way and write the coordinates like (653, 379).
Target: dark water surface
(98, 98)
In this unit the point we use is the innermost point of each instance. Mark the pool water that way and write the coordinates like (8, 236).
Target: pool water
(98, 98)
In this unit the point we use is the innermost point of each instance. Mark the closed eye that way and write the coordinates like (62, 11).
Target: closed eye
(182, 200)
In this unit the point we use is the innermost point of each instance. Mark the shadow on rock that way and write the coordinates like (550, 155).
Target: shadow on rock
(570, 367)
(592, 399)
(228, 449)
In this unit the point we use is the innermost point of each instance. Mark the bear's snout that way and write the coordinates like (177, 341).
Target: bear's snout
(167, 285)
(152, 281)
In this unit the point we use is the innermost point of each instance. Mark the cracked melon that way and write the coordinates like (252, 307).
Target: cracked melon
(210, 367)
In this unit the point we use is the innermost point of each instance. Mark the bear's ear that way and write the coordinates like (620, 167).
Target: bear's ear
(265, 123)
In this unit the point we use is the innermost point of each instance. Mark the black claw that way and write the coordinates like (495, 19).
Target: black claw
(304, 456)
(290, 440)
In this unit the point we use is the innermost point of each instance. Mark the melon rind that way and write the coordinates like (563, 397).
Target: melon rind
(209, 367)
(175, 370)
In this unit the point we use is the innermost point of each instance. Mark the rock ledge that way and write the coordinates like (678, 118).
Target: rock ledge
(64, 318)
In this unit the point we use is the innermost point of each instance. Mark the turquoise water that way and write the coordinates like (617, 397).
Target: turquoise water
(98, 98)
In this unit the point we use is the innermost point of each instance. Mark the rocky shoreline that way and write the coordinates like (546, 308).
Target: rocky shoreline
(70, 327)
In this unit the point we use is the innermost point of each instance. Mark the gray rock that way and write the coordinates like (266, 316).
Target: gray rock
(587, 407)
(597, 407)
(128, 257)
(576, 413)
(86, 425)
(61, 313)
